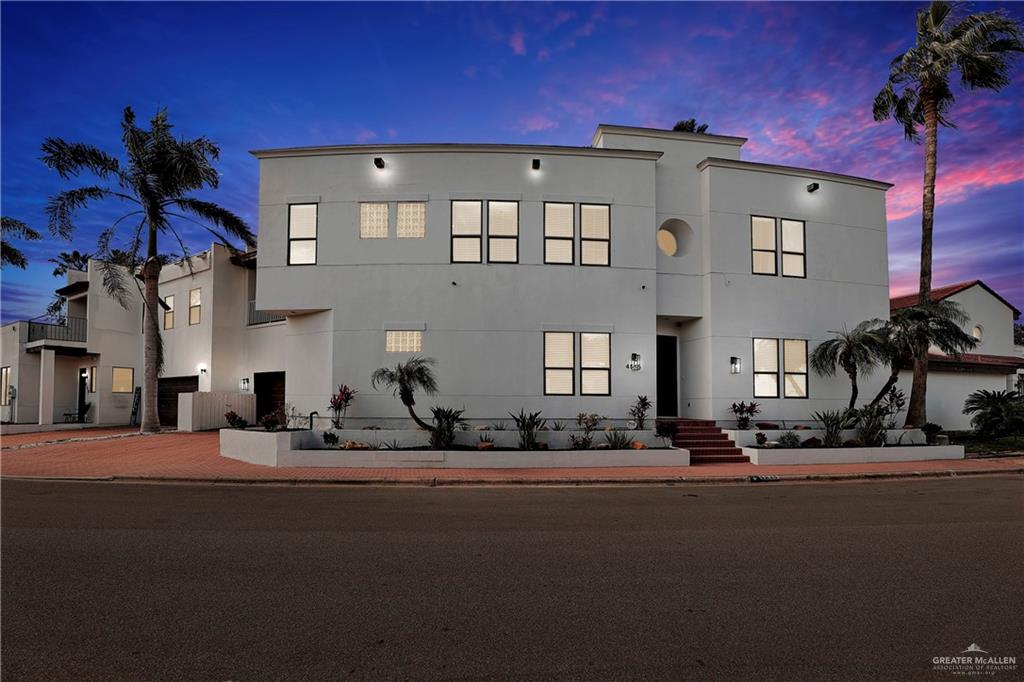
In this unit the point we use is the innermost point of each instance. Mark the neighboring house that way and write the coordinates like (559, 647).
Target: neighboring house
(993, 364)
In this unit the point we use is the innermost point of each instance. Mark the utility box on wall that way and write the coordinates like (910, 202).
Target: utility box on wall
(204, 411)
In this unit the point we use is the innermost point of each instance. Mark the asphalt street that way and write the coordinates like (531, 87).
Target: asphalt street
(865, 580)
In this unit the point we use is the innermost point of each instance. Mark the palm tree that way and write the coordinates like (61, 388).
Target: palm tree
(980, 47)
(405, 378)
(690, 125)
(937, 324)
(856, 351)
(10, 255)
(996, 413)
(158, 173)
(69, 261)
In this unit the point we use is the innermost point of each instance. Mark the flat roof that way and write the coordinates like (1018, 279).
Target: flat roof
(665, 134)
(456, 148)
(715, 162)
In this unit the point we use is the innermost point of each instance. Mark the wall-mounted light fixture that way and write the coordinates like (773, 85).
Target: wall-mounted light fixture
(243, 385)
(201, 368)
(634, 363)
(378, 162)
(813, 187)
(735, 365)
(536, 164)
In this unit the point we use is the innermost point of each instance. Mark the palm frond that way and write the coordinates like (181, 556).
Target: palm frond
(71, 158)
(12, 227)
(221, 217)
(10, 255)
(62, 207)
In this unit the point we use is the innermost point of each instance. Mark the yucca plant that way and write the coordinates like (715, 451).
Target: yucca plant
(832, 423)
(528, 424)
(618, 440)
(639, 411)
(446, 421)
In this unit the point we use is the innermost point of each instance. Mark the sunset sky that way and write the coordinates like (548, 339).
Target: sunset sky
(797, 79)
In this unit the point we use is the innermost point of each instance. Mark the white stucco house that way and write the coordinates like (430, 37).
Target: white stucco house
(561, 279)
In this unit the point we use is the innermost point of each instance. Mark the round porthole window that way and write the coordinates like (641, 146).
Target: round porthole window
(667, 242)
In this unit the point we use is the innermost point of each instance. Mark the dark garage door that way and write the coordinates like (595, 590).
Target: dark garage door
(269, 390)
(167, 399)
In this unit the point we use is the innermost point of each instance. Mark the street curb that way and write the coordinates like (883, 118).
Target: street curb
(533, 483)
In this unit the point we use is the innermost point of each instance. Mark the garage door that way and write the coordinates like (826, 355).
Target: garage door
(269, 390)
(167, 399)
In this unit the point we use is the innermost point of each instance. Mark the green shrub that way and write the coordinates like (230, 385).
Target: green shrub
(760, 438)
(446, 421)
(618, 440)
(639, 411)
(832, 423)
(871, 422)
(528, 424)
(789, 440)
(330, 438)
(666, 431)
(930, 431)
(996, 413)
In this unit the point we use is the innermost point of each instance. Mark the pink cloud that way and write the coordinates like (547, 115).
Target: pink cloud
(710, 31)
(535, 123)
(818, 97)
(953, 185)
(517, 41)
(543, 54)
(363, 136)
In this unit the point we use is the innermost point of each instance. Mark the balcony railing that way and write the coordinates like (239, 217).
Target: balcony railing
(262, 316)
(73, 329)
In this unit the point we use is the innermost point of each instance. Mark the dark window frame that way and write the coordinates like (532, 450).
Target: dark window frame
(5, 383)
(592, 239)
(607, 369)
(571, 240)
(195, 307)
(774, 252)
(169, 311)
(544, 362)
(451, 230)
(92, 379)
(314, 238)
(755, 373)
(782, 248)
(112, 370)
(502, 237)
(804, 374)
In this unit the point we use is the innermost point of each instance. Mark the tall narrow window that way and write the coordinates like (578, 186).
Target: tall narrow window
(403, 341)
(466, 231)
(373, 220)
(195, 306)
(412, 220)
(92, 379)
(503, 231)
(5, 385)
(794, 367)
(762, 242)
(595, 364)
(595, 234)
(122, 379)
(793, 249)
(302, 229)
(766, 368)
(559, 233)
(559, 363)
(169, 312)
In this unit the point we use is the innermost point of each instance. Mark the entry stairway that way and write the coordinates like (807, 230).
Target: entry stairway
(706, 442)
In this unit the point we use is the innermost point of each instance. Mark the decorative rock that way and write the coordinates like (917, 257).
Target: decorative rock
(801, 427)
(602, 446)
(767, 426)
(638, 445)
(485, 445)
(355, 445)
(482, 427)
(811, 442)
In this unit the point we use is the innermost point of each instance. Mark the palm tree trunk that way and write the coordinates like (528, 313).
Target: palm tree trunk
(889, 383)
(854, 389)
(419, 422)
(151, 339)
(917, 414)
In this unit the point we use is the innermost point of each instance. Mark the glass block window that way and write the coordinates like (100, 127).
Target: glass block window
(503, 231)
(766, 368)
(403, 341)
(559, 233)
(595, 234)
(466, 231)
(794, 368)
(5, 384)
(793, 248)
(762, 242)
(373, 220)
(195, 306)
(595, 363)
(169, 312)
(122, 379)
(412, 220)
(559, 363)
(302, 219)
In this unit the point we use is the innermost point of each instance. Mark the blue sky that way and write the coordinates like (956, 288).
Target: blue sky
(797, 79)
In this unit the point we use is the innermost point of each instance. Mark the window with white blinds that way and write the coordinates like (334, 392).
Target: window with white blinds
(559, 363)
(793, 250)
(412, 220)
(503, 231)
(766, 368)
(595, 363)
(403, 341)
(559, 233)
(195, 306)
(169, 312)
(373, 220)
(302, 229)
(794, 368)
(595, 234)
(466, 231)
(762, 243)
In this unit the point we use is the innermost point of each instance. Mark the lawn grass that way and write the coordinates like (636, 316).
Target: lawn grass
(973, 443)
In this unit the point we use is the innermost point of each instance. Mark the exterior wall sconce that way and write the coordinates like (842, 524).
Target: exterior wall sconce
(243, 385)
(378, 162)
(536, 164)
(634, 363)
(813, 187)
(735, 365)
(201, 367)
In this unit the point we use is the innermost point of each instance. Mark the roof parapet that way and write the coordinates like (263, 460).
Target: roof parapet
(715, 162)
(603, 128)
(456, 148)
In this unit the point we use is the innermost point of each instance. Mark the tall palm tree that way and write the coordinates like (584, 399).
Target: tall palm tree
(856, 351)
(10, 254)
(980, 48)
(690, 125)
(936, 324)
(155, 178)
(406, 378)
(69, 261)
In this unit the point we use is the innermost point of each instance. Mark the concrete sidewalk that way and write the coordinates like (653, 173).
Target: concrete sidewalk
(118, 455)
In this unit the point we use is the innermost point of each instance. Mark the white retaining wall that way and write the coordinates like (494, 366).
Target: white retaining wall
(204, 411)
(769, 456)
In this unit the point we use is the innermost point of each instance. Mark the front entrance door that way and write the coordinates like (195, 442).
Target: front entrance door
(83, 386)
(269, 390)
(668, 377)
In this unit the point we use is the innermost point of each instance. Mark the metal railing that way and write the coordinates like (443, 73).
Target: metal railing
(262, 316)
(73, 329)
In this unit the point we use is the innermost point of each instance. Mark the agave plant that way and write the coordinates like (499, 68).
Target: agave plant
(618, 440)
(832, 423)
(528, 424)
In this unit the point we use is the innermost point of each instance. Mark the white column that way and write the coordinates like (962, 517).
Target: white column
(46, 362)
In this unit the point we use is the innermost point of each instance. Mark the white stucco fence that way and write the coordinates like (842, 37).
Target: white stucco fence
(770, 456)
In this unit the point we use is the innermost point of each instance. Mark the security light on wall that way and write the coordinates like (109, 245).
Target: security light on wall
(634, 362)
(735, 365)
(536, 164)
(201, 367)
(813, 187)
(243, 385)
(378, 162)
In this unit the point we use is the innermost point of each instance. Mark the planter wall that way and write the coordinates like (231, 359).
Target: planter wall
(769, 456)
(894, 436)
(263, 447)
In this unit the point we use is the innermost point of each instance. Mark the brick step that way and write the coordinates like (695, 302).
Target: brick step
(683, 422)
(701, 435)
(718, 459)
(701, 430)
(691, 444)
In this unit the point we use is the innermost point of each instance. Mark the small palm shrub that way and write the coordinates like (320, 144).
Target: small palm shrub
(330, 438)
(528, 424)
(446, 421)
(996, 413)
(499, 426)
(761, 439)
(618, 440)
(871, 422)
(931, 430)
(832, 423)
(666, 431)
(789, 440)
(743, 412)
(639, 411)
